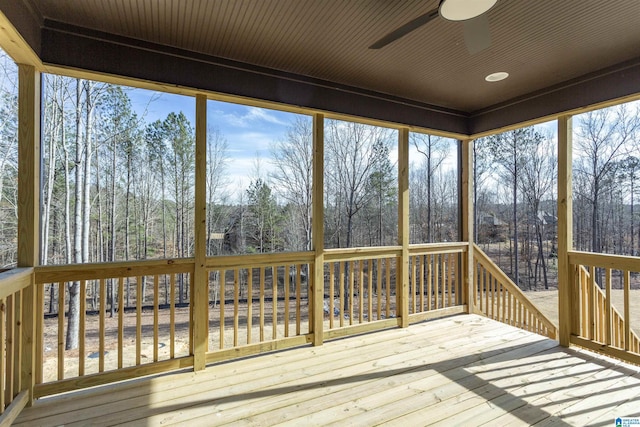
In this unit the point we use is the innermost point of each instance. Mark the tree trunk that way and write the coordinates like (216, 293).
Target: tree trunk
(73, 320)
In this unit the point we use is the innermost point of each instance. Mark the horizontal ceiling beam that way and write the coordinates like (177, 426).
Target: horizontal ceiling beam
(606, 87)
(66, 46)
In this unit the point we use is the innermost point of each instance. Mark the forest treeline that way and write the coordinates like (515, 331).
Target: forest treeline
(116, 186)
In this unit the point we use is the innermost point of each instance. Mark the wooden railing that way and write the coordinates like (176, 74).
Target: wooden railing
(435, 278)
(137, 318)
(360, 289)
(14, 393)
(598, 325)
(497, 297)
(258, 303)
(133, 320)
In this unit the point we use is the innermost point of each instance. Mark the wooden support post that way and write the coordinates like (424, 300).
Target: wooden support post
(402, 270)
(29, 92)
(565, 231)
(199, 294)
(467, 220)
(317, 232)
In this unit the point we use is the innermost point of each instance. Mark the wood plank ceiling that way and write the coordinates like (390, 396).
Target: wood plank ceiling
(540, 43)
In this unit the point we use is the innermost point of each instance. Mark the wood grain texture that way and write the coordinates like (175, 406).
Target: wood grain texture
(437, 370)
(565, 227)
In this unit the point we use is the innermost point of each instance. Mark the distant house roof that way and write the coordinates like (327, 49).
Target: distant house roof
(490, 219)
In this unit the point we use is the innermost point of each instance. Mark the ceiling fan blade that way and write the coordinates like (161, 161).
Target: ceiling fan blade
(405, 29)
(477, 35)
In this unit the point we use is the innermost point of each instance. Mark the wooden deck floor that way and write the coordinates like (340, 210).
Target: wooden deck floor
(463, 370)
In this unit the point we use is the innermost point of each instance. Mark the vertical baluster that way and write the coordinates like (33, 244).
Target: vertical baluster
(518, 314)
(120, 322)
(503, 299)
(430, 262)
(480, 278)
(286, 299)
(600, 317)
(39, 337)
(298, 288)
(592, 303)
(388, 296)
(607, 309)
(236, 302)
(584, 306)
(420, 261)
(17, 345)
(450, 280)
(249, 303)
(436, 280)
(370, 281)
(379, 287)
(222, 285)
(262, 279)
(413, 285)
(443, 281)
(310, 296)
(332, 278)
(139, 298)
(492, 286)
(360, 291)
(101, 329)
(341, 289)
(496, 291)
(156, 317)
(473, 299)
(10, 351)
(82, 328)
(488, 295)
(350, 296)
(616, 336)
(172, 316)
(274, 287)
(61, 298)
(627, 310)
(587, 304)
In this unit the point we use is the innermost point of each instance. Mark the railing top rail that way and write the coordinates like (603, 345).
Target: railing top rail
(11, 281)
(448, 247)
(616, 262)
(258, 260)
(106, 270)
(506, 280)
(352, 254)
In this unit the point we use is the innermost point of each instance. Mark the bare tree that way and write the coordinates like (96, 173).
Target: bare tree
(350, 160)
(292, 177)
(538, 179)
(217, 195)
(8, 161)
(87, 96)
(434, 149)
(506, 149)
(602, 137)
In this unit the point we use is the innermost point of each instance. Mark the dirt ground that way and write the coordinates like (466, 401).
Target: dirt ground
(546, 301)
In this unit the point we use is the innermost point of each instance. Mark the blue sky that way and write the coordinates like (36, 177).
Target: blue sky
(249, 131)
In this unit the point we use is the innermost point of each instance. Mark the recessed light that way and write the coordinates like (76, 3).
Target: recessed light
(496, 77)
